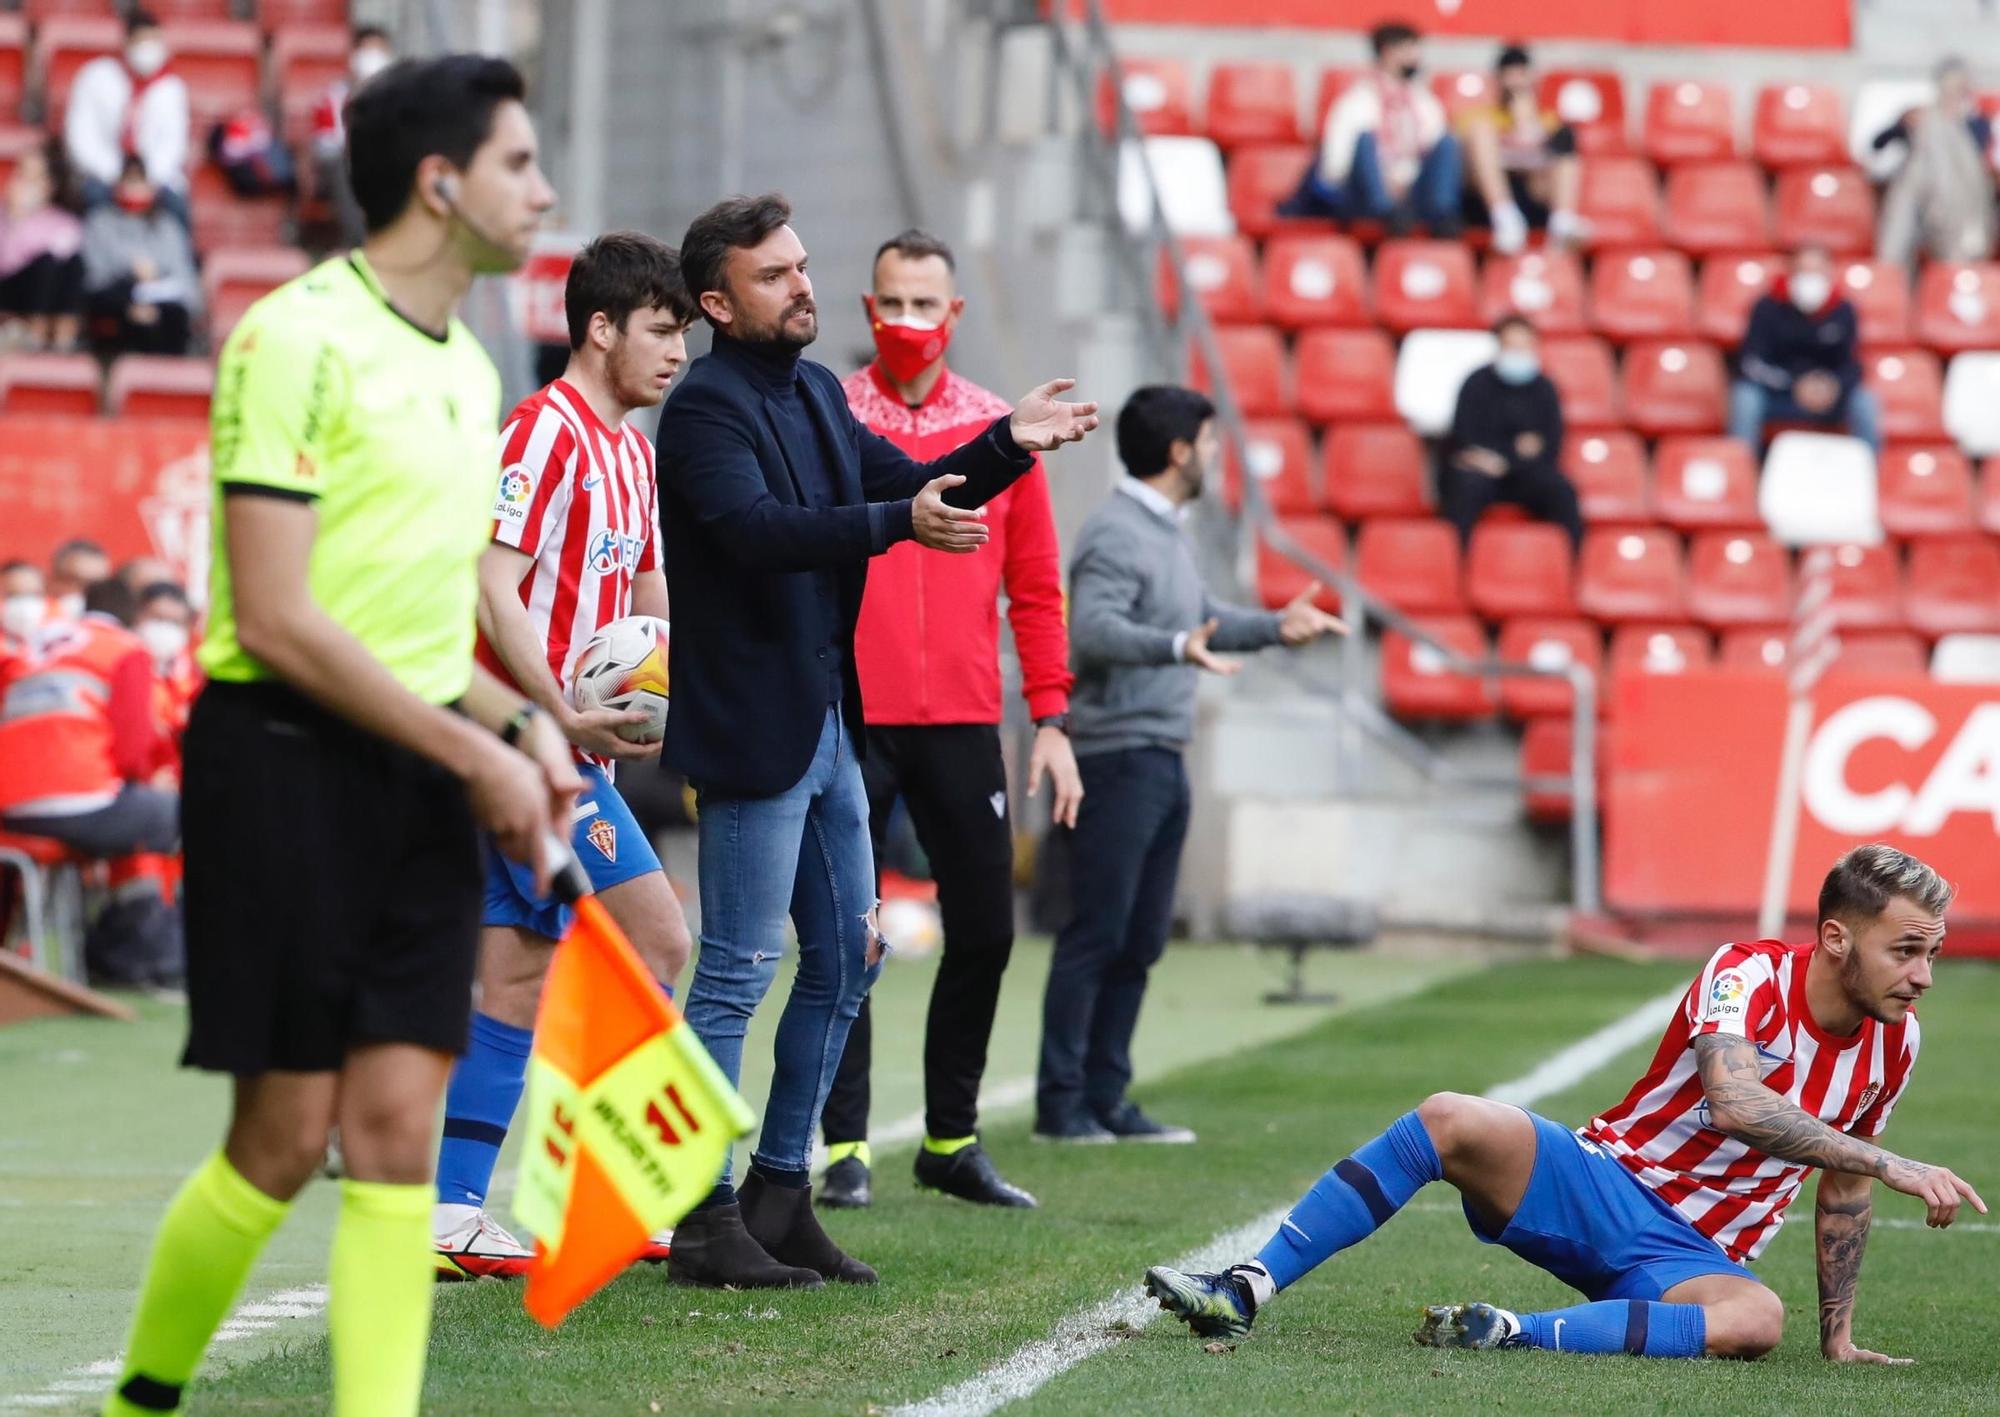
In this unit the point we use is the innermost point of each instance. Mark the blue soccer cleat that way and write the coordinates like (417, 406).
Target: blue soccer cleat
(1213, 1305)
(1467, 1326)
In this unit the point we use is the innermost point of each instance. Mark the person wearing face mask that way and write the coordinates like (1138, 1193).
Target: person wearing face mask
(130, 105)
(24, 604)
(41, 272)
(165, 626)
(77, 563)
(1522, 169)
(138, 270)
(371, 53)
(1143, 627)
(928, 651)
(1798, 360)
(1506, 440)
(1385, 153)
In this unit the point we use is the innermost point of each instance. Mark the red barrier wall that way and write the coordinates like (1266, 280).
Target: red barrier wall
(1892, 758)
(1792, 24)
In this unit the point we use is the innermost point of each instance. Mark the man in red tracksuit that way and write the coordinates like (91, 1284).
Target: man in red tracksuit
(928, 651)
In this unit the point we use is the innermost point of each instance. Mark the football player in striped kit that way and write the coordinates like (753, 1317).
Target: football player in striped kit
(1782, 1059)
(575, 546)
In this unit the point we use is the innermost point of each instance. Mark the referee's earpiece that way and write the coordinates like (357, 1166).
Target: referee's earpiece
(446, 190)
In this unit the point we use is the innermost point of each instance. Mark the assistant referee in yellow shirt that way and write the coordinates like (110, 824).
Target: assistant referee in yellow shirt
(346, 749)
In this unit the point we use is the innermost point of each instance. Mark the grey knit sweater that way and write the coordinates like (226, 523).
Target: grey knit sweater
(1134, 588)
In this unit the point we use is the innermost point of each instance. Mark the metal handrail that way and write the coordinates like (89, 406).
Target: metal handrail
(1359, 606)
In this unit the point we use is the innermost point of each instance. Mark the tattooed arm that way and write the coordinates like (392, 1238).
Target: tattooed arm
(1841, 1230)
(1740, 1106)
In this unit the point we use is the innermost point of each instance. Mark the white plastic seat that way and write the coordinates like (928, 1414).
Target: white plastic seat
(1429, 370)
(1966, 659)
(1972, 402)
(1818, 489)
(1193, 191)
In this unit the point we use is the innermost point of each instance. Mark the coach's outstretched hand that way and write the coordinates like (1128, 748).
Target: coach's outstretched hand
(1042, 421)
(937, 524)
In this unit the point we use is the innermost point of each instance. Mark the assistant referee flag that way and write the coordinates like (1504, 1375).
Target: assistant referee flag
(629, 1119)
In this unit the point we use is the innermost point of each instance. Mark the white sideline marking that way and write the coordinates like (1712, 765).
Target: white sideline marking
(1106, 1323)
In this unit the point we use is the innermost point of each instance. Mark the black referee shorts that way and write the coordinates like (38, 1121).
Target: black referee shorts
(332, 888)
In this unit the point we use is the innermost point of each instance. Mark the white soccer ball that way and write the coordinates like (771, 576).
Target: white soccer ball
(624, 667)
(911, 927)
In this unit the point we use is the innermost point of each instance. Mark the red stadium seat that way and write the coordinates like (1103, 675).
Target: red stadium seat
(1701, 484)
(1223, 271)
(64, 44)
(1280, 579)
(306, 61)
(1315, 280)
(1347, 375)
(159, 386)
(1739, 578)
(1519, 568)
(234, 279)
(1279, 451)
(1755, 649)
(1411, 562)
(38, 11)
(1592, 102)
(1548, 750)
(1833, 207)
(1799, 124)
(1631, 575)
(1924, 491)
(1953, 586)
(1260, 177)
(1641, 295)
(1156, 90)
(1416, 682)
(221, 218)
(275, 14)
(1587, 381)
(1374, 470)
(1544, 286)
(1986, 498)
(1730, 286)
(1659, 649)
(1254, 102)
(1253, 357)
(1880, 294)
(1689, 120)
(1609, 472)
(171, 10)
(1620, 198)
(1461, 90)
(1910, 387)
(49, 383)
(1675, 386)
(1546, 644)
(1884, 652)
(13, 65)
(1333, 82)
(1867, 589)
(1425, 285)
(1718, 206)
(1958, 306)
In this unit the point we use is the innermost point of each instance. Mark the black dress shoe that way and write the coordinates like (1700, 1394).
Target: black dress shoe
(1079, 1129)
(781, 1219)
(1127, 1123)
(845, 1185)
(713, 1250)
(968, 1173)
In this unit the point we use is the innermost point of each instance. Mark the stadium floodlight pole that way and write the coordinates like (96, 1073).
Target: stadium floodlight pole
(1813, 647)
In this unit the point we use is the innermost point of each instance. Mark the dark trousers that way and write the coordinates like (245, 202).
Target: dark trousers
(47, 285)
(954, 782)
(1125, 857)
(168, 333)
(1539, 486)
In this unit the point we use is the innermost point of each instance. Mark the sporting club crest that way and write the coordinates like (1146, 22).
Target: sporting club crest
(604, 836)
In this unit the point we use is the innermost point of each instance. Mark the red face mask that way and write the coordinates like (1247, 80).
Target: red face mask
(139, 202)
(906, 350)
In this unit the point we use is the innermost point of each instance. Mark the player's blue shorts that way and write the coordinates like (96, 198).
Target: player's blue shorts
(608, 841)
(1596, 1227)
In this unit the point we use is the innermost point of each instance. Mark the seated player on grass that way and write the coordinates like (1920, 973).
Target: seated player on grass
(1782, 1059)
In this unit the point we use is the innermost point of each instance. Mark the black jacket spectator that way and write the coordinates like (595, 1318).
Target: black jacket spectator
(1505, 446)
(1784, 342)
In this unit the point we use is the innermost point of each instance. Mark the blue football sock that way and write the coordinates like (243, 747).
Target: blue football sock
(485, 1089)
(1620, 1326)
(1348, 1203)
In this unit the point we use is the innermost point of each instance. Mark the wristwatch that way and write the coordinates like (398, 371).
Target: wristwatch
(1057, 721)
(517, 725)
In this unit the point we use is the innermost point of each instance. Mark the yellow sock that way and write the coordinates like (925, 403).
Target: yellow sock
(211, 1235)
(841, 1150)
(946, 1147)
(379, 1301)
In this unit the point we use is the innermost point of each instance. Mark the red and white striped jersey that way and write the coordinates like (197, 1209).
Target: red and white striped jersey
(1732, 1194)
(581, 500)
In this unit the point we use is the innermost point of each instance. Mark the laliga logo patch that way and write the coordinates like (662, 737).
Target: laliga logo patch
(516, 487)
(604, 836)
(1727, 994)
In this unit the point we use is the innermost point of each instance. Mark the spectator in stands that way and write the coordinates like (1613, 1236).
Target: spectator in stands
(24, 604)
(1385, 154)
(131, 105)
(1940, 202)
(370, 55)
(41, 270)
(78, 562)
(1522, 169)
(1798, 359)
(138, 270)
(1506, 439)
(143, 572)
(166, 626)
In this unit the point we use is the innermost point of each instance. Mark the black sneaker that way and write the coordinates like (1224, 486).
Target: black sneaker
(969, 1174)
(1127, 1123)
(845, 1186)
(1078, 1130)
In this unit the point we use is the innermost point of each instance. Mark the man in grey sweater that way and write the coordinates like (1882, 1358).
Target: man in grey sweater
(1142, 626)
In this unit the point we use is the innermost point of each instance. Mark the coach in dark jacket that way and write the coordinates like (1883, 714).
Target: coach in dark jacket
(773, 497)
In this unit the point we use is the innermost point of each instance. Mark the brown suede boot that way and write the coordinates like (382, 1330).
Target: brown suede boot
(713, 1250)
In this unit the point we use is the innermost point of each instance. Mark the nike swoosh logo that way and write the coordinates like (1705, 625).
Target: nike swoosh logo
(1559, 1333)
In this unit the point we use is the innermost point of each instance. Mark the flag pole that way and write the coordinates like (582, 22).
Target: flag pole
(1813, 647)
